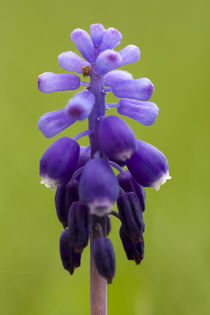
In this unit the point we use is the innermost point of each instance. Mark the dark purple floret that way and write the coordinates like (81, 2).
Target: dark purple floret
(98, 186)
(131, 215)
(64, 197)
(128, 183)
(116, 139)
(104, 257)
(59, 162)
(70, 259)
(134, 251)
(79, 226)
(108, 225)
(148, 166)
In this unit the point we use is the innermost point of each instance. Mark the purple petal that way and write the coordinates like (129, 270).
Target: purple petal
(96, 32)
(130, 54)
(148, 166)
(51, 82)
(53, 123)
(144, 112)
(107, 61)
(58, 162)
(116, 76)
(98, 186)
(111, 39)
(84, 44)
(140, 89)
(116, 139)
(70, 61)
(81, 105)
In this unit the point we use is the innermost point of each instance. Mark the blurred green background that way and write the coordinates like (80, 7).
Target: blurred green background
(174, 277)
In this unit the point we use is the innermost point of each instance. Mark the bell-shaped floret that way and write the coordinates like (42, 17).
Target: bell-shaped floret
(98, 186)
(79, 226)
(80, 105)
(59, 162)
(64, 197)
(116, 138)
(140, 89)
(70, 259)
(107, 61)
(115, 76)
(130, 213)
(144, 112)
(134, 251)
(148, 166)
(51, 82)
(70, 61)
(129, 184)
(104, 257)
(130, 54)
(97, 31)
(111, 38)
(53, 123)
(84, 44)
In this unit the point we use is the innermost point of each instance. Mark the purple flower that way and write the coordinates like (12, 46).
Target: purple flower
(81, 105)
(98, 186)
(104, 257)
(116, 139)
(64, 197)
(59, 162)
(131, 215)
(87, 186)
(148, 166)
(79, 226)
(134, 251)
(70, 259)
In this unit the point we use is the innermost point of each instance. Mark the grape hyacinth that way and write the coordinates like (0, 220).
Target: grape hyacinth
(87, 186)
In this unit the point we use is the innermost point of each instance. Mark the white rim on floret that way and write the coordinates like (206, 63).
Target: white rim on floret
(156, 185)
(100, 207)
(49, 182)
(123, 156)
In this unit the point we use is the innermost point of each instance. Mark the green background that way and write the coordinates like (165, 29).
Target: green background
(174, 277)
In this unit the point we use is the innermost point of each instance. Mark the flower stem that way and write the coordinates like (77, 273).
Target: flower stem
(98, 284)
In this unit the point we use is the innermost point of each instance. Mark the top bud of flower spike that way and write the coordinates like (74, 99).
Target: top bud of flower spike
(116, 138)
(148, 166)
(98, 186)
(96, 31)
(59, 162)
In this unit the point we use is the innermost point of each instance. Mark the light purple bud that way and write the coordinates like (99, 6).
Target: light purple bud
(116, 76)
(144, 112)
(116, 139)
(148, 166)
(84, 44)
(59, 162)
(111, 39)
(96, 32)
(53, 123)
(130, 54)
(98, 186)
(51, 82)
(107, 61)
(70, 61)
(140, 89)
(80, 105)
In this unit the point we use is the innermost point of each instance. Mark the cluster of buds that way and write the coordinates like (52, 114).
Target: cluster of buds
(87, 187)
